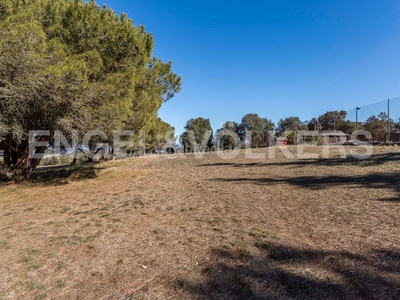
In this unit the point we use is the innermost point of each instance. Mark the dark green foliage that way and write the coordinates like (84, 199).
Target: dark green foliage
(160, 135)
(333, 120)
(72, 65)
(378, 126)
(198, 135)
(290, 124)
(258, 127)
(228, 137)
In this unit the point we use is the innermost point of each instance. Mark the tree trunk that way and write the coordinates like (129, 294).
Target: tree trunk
(14, 154)
(90, 160)
(17, 163)
(75, 156)
(7, 157)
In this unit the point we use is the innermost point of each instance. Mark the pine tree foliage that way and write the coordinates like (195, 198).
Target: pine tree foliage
(73, 65)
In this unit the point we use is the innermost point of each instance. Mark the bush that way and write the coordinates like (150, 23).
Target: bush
(56, 160)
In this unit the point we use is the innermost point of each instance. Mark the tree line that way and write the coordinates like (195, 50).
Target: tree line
(196, 130)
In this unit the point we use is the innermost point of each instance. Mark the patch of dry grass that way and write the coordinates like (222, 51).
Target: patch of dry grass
(155, 228)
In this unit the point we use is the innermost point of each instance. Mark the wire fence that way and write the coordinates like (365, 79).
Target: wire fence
(381, 119)
(382, 109)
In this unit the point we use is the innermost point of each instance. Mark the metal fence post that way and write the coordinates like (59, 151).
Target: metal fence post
(388, 120)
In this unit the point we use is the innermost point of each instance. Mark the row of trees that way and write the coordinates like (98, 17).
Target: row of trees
(196, 130)
(379, 126)
(199, 132)
(72, 65)
(330, 121)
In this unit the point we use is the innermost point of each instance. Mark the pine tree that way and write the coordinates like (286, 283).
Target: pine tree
(72, 65)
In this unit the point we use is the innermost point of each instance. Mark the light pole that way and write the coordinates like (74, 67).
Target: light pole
(334, 125)
(388, 121)
(357, 109)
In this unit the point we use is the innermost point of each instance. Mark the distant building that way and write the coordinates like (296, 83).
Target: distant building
(395, 136)
(281, 141)
(334, 137)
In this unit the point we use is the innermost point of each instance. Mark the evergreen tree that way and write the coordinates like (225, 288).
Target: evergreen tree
(225, 136)
(198, 135)
(72, 65)
(258, 127)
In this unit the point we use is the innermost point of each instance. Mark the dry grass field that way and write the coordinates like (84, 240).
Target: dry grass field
(186, 228)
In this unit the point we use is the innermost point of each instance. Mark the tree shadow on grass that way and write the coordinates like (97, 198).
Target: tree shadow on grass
(389, 181)
(282, 272)
(59, 175)
(374, 160)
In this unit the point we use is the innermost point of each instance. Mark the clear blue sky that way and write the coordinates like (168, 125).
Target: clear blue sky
(274, 58)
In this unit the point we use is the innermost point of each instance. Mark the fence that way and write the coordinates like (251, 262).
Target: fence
(381, 119)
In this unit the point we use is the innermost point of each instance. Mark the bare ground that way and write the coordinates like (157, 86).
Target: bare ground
(186, 228)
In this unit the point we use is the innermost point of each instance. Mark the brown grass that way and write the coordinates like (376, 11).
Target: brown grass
(156, 228)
